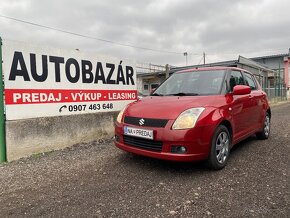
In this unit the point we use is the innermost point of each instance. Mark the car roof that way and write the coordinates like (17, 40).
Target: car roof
(212, 68)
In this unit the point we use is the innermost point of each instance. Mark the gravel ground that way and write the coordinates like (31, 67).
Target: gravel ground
(98, 180)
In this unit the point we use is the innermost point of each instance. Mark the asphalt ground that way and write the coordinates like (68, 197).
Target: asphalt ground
(99, 180)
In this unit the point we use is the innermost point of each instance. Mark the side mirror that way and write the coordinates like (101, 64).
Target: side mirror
(241, 90)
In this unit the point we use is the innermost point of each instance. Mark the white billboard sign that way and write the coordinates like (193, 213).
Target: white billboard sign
(42, 81)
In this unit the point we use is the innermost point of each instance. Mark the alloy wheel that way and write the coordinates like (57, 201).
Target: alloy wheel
(222, 147)
(267, 126)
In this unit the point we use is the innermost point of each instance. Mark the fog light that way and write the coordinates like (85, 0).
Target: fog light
(178, 149)
(117, 138)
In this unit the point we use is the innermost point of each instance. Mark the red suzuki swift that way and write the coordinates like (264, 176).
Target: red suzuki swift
(195, 114)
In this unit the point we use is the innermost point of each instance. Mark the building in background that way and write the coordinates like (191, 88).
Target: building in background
(149, 77)
(280, 64)
(271, 71)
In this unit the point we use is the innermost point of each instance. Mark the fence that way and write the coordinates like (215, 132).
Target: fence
(276, 94)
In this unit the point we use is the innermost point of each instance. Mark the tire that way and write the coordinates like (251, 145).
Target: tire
(220, 148)
(265, 133)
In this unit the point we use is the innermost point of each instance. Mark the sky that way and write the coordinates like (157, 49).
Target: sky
(157, 32)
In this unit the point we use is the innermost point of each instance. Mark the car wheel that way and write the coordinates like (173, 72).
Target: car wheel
(264, 134)
(220, 148)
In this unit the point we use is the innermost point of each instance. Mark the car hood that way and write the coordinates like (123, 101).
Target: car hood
(169, 107)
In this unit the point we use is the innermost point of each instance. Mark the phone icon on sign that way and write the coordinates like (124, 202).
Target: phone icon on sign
(61, 108)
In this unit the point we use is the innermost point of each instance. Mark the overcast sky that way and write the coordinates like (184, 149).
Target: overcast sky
(222, 29)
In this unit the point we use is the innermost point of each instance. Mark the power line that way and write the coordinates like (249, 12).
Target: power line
(91, 37)
(125, 44)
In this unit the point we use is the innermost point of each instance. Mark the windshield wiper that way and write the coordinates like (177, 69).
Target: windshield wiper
(184, 94)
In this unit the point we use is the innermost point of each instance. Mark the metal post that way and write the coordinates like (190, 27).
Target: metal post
(185, 54)
(2, 116)
(275, 83)
(279, 81)
(166, 71)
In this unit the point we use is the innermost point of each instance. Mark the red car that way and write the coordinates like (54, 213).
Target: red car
(195, 114)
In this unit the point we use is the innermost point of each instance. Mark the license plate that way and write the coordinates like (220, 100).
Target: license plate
(141, 133)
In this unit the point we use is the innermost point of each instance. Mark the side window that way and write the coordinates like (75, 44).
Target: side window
(154, 86)
(250, 81)
(236, 78)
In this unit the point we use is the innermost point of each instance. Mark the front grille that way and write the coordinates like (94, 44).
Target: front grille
(145, 121)
(145, 144)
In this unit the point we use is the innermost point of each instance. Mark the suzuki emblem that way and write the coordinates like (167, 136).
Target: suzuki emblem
(141, 122)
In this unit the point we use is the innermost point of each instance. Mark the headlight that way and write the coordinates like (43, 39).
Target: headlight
(120, 115)
(188, 118)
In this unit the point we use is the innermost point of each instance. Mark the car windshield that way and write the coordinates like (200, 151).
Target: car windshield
(207, 82)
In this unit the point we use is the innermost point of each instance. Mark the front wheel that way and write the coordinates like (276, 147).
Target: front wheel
(264, 134)
(220, 148)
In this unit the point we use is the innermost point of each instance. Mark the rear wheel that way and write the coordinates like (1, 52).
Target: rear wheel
(220, 148)
(264, 134)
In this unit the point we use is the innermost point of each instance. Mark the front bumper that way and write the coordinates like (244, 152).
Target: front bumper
(196, 140)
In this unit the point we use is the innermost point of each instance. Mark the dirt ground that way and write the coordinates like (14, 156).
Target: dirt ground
(98, 180)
